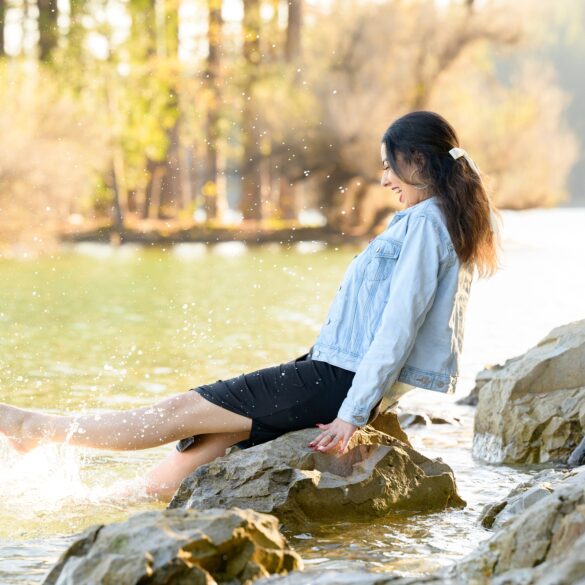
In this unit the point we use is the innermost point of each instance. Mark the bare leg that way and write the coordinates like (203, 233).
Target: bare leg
(169, 420)
(163, 480)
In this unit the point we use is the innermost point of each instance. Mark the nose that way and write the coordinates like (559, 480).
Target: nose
(385, 181)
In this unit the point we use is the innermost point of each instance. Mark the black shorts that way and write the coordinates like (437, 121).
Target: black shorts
(287, 397)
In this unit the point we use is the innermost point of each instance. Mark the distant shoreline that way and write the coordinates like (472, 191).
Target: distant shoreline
(214, 235)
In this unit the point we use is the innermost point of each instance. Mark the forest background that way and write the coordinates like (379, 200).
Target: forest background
(194, 119)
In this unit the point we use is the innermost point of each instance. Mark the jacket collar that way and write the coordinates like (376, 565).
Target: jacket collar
(416, 207)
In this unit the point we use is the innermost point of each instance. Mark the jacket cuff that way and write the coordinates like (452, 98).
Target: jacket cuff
(356, 417)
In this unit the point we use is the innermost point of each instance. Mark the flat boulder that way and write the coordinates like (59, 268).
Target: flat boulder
(533, 410)
(163, 547)
(376, 475)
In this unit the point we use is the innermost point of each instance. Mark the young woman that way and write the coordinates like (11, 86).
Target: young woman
(395, 323)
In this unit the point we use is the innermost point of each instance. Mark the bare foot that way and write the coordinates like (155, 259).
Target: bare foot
(16, 425)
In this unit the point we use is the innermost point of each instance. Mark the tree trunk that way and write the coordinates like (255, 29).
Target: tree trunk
(155, 194)
(274, 47)
(168, 47)
(48, 30)
(214, 37)
(116, 211)
(250, 202)
(293, 30)
(155, 28)
(76, 58)
(24, 26)
(287, 194)
(171, 182)
(2, 21)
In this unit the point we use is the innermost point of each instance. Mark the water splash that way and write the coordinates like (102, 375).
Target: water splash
(55, 484)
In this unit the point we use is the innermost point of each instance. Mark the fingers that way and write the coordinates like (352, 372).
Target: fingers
(329, 446)
(325, 435)
(335, 434)
(321, 440)
(325, 442)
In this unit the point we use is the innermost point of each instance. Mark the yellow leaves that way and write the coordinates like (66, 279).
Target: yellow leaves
(209, 189)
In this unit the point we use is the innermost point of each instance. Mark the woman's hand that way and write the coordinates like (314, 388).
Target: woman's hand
(338, 432)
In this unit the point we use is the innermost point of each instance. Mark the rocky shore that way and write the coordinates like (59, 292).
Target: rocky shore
(223, 524)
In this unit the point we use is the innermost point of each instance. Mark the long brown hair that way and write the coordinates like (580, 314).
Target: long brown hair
(424, 139)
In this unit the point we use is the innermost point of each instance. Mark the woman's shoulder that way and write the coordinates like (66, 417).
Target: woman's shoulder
(429, 215)
(428, 221)
(432, 214)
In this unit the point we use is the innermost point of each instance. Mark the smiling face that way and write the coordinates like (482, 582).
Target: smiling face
(408, 194)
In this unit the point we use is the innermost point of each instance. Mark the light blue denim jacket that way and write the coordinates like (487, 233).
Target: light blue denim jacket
(399, 312)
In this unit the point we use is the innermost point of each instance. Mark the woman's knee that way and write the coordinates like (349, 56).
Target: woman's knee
(209, 418)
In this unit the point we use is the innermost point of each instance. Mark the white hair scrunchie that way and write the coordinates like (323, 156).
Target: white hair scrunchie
(461, 152)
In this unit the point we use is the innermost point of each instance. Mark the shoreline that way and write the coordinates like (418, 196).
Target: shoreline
(254, 236)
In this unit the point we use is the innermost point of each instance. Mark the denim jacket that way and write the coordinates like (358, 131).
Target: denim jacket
(399, 312)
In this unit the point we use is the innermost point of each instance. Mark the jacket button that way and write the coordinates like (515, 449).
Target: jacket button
(328, 321)
(359, 418)
(339, 287)
(378, 249)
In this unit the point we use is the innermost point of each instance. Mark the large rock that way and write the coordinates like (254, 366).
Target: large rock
(377, 474)
(482, 378)
(178, 547)
(534, 410)
(546, 538)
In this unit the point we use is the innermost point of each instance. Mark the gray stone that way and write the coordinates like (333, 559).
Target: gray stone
(178, 547)
(577, 457)
(521, 497)
(567, 570)
(482, 378)
(534, 410)
(531, 546)
(377, 474)
(411, 419)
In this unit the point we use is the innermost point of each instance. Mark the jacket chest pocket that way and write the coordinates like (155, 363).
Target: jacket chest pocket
(383, 258)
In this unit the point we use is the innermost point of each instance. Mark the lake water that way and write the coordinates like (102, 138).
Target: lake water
(96, 328)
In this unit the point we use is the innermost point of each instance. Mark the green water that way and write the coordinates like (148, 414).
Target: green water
(102, 328)
(87, 332)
